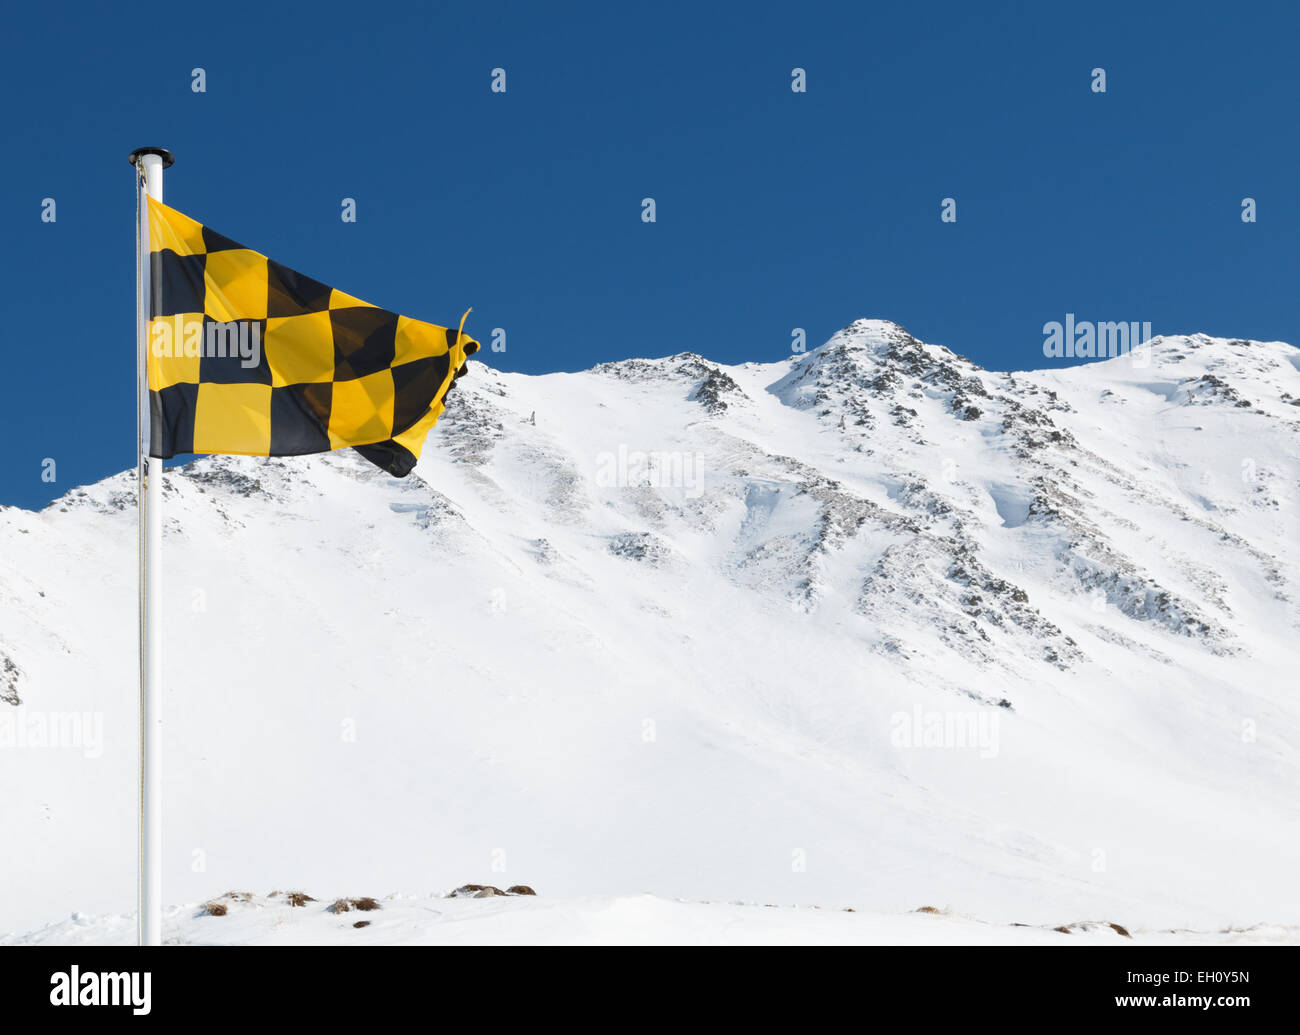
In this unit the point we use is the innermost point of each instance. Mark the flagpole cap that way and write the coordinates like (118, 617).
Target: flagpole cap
(167, 157)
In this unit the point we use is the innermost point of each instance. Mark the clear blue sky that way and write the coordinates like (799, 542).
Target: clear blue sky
(775, 210)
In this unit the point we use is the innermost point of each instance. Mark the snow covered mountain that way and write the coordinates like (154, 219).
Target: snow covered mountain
(868, 627)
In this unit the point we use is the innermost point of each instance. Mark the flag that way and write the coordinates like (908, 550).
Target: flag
(247, 356)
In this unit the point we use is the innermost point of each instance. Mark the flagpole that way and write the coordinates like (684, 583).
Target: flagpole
(149, 163)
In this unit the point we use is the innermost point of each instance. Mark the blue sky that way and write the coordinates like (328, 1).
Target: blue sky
(775, 210)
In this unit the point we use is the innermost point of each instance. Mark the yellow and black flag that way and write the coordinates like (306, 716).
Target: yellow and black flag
(246, 356)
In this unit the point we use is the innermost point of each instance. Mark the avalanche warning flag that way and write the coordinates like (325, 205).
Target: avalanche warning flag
(246, 356)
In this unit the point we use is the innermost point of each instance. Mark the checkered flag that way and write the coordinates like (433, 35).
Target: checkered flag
(247, 356)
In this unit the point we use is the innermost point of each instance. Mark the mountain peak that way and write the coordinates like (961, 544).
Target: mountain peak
(876, 330)
(883, 341)
(875, 359)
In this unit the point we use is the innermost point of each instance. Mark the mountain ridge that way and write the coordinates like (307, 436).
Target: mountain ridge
(666, 624)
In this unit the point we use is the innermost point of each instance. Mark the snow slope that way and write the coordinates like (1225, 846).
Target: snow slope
(871, 626)
(599, 920)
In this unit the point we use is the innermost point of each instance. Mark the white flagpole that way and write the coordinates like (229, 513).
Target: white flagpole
(149, 163)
